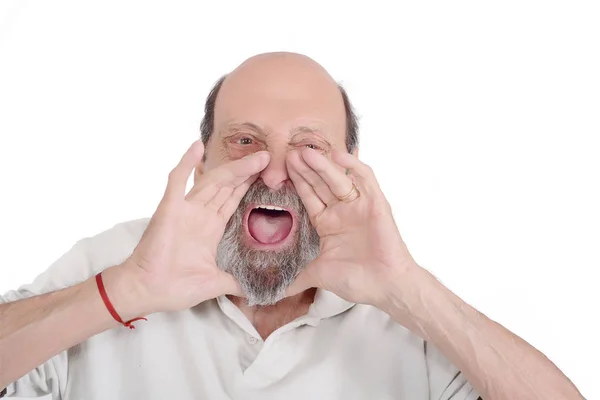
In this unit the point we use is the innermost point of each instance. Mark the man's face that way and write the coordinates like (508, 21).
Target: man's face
(280, 107)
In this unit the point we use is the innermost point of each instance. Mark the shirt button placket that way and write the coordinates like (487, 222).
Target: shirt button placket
(251, 339)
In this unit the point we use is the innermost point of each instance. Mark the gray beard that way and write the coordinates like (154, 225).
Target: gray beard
(265, 275)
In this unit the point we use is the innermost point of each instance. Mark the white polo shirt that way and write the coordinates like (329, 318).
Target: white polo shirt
(339, 350)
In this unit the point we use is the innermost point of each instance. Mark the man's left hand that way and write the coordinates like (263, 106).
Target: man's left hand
(362, 253)
(364, 260)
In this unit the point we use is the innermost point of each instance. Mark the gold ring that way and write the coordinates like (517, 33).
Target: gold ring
(349, 197)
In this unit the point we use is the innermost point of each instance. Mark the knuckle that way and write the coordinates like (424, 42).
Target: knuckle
(220, 177)
(212, 207)
(222, 215)
(173, 175)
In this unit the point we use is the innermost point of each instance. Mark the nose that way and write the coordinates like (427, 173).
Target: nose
(275, 175)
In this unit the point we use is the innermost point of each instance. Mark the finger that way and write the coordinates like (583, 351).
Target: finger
(312, 202)
(231, 174)
(363, 173)
(220, 198)
(232, 202)
(309, 175)
(179, 176)
(336, 179)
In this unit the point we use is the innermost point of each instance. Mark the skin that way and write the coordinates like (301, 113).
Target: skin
(173, 266)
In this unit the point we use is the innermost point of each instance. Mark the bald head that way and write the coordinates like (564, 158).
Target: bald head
(286, 76)
(279, 92)
(282, 66)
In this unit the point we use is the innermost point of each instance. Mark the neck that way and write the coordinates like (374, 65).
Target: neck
(267, 319)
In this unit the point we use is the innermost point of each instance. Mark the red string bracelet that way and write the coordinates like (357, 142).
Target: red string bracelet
(109, 305)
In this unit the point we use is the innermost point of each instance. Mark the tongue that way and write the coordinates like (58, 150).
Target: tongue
(269, 228)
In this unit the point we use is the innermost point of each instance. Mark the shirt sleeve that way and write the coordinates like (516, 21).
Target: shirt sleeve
(84, 260)
(49, 377)
(446, 382)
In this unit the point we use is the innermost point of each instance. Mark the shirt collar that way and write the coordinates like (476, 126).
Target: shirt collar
(325, 305)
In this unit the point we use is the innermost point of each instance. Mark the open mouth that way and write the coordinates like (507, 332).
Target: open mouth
(268, 225)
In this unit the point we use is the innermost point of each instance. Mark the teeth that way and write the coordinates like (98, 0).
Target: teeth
(271, 208)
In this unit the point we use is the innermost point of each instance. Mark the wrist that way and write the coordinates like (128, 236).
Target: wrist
(407, 297)
(124, 288)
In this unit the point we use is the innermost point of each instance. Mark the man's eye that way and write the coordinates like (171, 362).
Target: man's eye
(313, 146)
(245, 140)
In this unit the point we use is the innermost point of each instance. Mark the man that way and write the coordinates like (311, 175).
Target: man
(281, 274)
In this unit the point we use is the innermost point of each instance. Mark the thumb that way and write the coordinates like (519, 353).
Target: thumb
(229, 285)
(305, 280)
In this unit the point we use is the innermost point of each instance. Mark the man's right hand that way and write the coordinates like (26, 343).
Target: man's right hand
(173, 267)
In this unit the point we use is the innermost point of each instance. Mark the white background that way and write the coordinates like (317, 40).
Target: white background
(481, 120)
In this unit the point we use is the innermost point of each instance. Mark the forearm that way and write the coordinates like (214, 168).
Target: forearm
(499, 364)
(35, 329)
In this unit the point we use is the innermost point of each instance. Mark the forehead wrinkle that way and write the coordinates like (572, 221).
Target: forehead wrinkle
(238, 126)
(307, 129)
